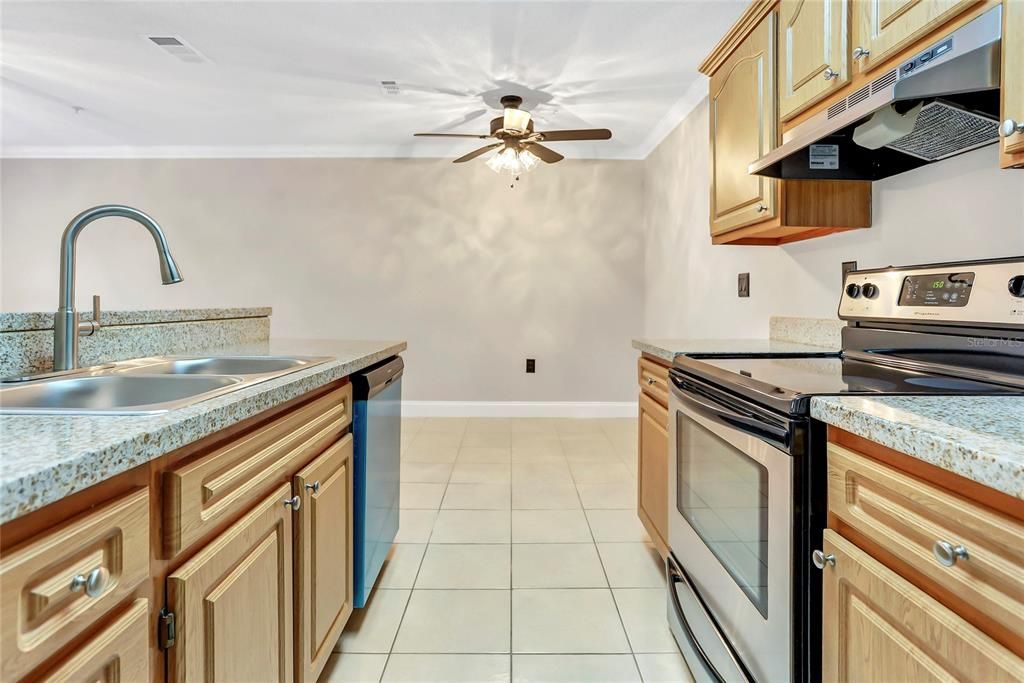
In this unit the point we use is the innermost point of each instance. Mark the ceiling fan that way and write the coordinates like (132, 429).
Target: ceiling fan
(520, 148)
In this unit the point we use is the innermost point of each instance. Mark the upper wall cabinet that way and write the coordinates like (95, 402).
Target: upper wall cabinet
(742, 102)
(883, 28)
(751, 209)
(813, 52)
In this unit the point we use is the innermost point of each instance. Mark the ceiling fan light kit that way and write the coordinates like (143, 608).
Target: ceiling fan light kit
(518, 148)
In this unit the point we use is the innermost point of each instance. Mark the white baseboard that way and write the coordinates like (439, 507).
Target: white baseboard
(519, 409)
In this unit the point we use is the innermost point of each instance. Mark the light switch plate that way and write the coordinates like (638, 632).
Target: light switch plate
(743, 288)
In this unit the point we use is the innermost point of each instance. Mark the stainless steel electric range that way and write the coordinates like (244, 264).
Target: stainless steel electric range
(747, 476)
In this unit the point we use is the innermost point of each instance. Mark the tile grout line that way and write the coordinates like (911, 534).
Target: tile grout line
(600, 558)
(405, 609)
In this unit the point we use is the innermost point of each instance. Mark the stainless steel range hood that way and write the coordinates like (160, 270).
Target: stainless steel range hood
(943, 102)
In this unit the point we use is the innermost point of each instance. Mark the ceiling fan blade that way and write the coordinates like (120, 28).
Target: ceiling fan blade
(477, 152)
(545, 154)
(451, 135)
(583, 134)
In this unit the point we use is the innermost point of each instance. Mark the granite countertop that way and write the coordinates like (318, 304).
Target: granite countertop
(44, 458)
(668, 349)
(980, 438)
(43, 320)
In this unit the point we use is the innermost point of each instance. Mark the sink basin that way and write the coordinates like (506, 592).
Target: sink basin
(224, 365)
(112, 394)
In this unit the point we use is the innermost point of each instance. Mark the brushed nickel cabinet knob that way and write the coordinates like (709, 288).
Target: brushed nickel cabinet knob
(947, 554)
(820, 559)
(1010, 127)
(860, 53)
(93, 583)
(294, 502)
(830, 73)
(314, 487)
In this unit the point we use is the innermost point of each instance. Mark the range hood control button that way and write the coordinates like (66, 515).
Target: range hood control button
(1016, 286)
(853, 290)
(869, 290)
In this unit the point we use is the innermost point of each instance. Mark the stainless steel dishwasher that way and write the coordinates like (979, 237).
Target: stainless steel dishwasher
(377, 427)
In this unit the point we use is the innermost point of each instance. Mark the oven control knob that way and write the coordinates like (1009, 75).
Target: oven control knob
(869, 290)
(853, 290)
(1016, 286)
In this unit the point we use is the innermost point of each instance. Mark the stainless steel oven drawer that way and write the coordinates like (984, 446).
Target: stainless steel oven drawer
(706, 650)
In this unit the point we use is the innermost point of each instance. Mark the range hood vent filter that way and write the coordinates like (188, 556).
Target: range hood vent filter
(944, 130)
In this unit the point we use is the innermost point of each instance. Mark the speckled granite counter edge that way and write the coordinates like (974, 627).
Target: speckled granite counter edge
(22, 322)
(165, 433)
(983, 457)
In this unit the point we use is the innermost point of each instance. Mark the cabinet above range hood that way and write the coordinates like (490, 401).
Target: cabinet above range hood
(943, 102)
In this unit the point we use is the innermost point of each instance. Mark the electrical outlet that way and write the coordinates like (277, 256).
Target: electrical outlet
(743, 289)
(847, 267)
(531, 365)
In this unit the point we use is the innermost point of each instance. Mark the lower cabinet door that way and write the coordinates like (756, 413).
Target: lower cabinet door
(877, 626)
(117, 654)
(233, 602)
(652, 475)
(323, 557)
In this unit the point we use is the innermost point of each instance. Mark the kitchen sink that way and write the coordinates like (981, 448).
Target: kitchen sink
(112, 394)
(223, 365)
(144, 385)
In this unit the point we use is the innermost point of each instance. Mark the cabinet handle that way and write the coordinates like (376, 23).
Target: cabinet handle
(860, 53)
(314, 487)
(761, 208)
(294, 502)
(947, 554)
(94, 583)
(820, 559)
(1010, 127)
(830, 73)
(651, 380)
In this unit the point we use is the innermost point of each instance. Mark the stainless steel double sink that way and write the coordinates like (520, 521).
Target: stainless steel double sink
(143, 386)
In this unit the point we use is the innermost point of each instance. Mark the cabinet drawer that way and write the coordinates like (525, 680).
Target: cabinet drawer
(654, 380)
(41, 612)
(908, 517)
(212, 488)
(120, 652)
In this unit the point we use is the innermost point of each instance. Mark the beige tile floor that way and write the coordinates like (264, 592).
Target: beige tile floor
(519, 558)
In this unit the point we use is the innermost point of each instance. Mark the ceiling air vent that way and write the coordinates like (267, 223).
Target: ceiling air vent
(390, 88)
(177, 48)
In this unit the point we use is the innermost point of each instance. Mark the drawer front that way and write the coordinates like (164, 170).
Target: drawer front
(117, 654)
(654, 380)
(41, 611)
(908, 517)
(199, 495)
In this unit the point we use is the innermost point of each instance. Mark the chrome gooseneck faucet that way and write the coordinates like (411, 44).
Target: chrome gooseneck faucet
(66, 327)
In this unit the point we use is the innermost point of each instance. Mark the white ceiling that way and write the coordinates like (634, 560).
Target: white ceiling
(296, 78)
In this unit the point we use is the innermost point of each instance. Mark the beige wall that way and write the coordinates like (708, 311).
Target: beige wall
(476, 276)
(961, 208)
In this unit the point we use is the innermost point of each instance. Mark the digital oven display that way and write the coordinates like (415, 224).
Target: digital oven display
(939, 289)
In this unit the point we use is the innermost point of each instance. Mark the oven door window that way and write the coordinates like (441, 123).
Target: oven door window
(723, 495)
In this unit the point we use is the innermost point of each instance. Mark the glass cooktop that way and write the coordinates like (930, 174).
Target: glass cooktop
(789, 382)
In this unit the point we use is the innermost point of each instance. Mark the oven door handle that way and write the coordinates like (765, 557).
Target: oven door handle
(677, 574)
(776, 435)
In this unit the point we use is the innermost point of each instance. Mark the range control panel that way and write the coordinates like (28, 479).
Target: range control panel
(971, 293)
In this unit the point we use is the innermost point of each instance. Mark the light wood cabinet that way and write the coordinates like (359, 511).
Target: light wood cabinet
(233, 602)
(117, 654)
(1012, 90)
(880, 627)
(907, 517)
(652, 462)
(742, 114)
(743, 126)
(201, 493)
(43, 610)
(813, 52)
(323, 557)
(883, 28)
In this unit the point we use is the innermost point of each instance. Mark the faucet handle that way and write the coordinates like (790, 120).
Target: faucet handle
(90, 327)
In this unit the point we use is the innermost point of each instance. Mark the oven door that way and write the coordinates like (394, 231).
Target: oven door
(731, 535)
